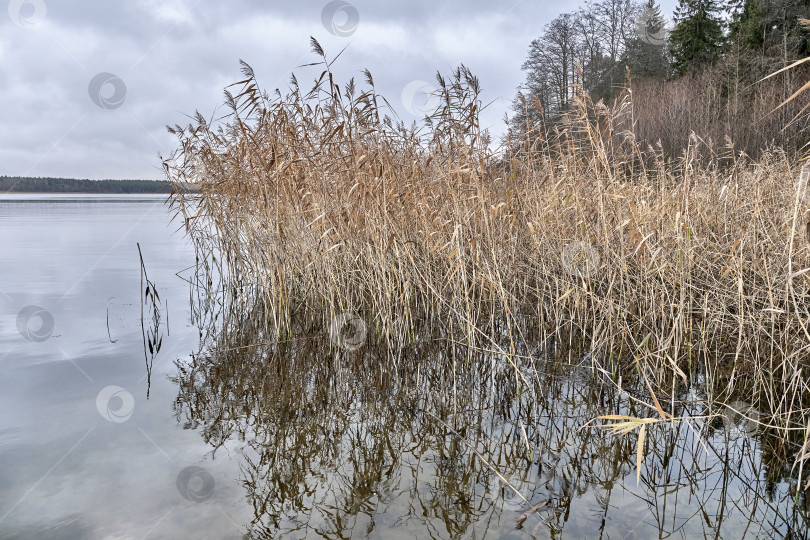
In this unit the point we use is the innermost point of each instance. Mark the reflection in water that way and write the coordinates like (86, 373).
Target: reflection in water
(341, 443)
(151, 330)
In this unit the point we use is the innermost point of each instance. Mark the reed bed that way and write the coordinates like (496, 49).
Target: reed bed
(318, 202)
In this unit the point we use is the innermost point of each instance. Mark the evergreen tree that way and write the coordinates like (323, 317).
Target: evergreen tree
(697, 39)
(646, 52)
(771, 29)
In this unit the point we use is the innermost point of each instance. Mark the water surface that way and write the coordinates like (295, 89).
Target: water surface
(248, 434)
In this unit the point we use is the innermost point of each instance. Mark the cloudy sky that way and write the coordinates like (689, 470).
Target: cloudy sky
(87, 87)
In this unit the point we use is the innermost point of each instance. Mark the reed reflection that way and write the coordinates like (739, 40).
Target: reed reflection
(342, 443)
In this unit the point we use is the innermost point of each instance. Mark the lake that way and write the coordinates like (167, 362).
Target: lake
(129, 415)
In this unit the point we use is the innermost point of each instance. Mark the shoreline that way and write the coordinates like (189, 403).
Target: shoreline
(88, 193)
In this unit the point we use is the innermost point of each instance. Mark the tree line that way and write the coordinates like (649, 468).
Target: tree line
(16, 184)
(701, 74)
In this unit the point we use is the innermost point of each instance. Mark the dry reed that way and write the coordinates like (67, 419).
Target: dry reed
(316, 203)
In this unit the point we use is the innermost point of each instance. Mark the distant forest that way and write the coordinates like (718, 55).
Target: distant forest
(703, 76)
(15, 184)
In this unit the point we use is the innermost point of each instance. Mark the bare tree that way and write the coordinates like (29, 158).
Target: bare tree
(594, 38)
(551, 64)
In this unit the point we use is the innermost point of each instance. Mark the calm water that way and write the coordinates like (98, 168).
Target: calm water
(245, 435)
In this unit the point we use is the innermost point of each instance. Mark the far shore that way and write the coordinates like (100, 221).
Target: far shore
(82, 193)
(32, 185)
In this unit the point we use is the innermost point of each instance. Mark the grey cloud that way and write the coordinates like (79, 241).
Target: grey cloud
(176, 57)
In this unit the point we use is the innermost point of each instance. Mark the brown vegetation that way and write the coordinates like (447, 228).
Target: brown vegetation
(724, 107)
(315, 204)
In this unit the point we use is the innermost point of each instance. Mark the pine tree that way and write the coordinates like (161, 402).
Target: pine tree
(697, 39)
(771, 29)
(646, 52)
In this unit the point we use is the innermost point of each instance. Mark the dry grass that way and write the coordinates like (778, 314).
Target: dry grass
(722, 104)
(315, 203)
